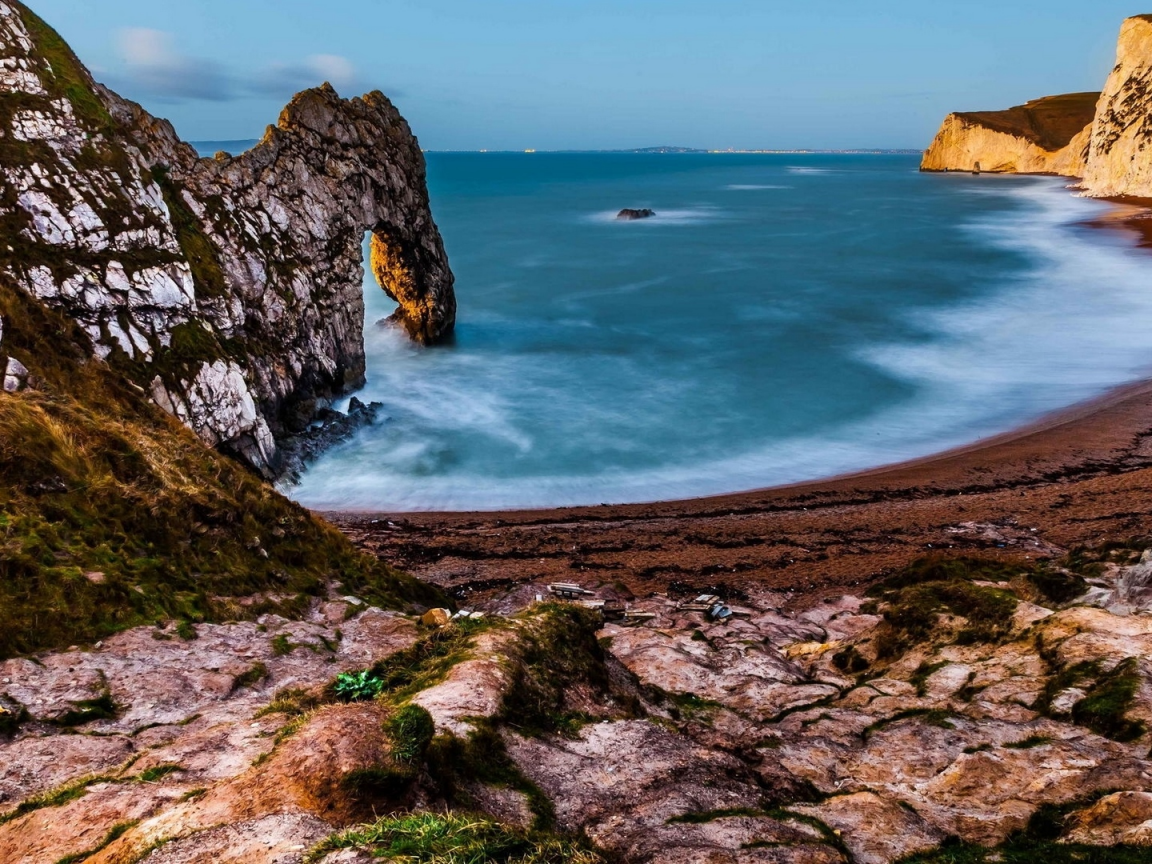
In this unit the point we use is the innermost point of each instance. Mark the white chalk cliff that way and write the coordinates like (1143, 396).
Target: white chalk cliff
(1106, 140)
(1120, 151)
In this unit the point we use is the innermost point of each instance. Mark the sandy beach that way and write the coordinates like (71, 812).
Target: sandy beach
(1078, 477)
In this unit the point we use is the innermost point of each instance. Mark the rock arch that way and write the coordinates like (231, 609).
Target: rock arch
(229, 288)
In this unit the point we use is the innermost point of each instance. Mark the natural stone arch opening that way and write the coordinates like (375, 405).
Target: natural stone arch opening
(395, 261)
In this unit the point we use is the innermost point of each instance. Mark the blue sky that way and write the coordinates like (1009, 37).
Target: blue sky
(551, 74)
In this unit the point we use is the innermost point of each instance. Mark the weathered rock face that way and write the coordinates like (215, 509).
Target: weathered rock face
(1047, 136)
(1120, 151)
(1106, 141)
(229, 288)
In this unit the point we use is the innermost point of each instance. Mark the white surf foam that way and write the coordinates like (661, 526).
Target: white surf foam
(1073, 325)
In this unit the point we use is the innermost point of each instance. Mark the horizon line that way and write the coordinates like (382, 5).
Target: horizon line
(659, 150)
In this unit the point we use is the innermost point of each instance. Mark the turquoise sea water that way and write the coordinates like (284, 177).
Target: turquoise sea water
(782, 318)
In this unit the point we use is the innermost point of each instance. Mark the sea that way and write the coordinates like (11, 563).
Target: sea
(782, 317)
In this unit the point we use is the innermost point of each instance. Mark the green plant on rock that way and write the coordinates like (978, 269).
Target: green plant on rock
(357, 686)
(455, 838)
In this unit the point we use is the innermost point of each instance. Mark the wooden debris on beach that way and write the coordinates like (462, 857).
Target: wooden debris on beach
(701, 604)
(632, 617)
(613, 610)
(711, 605)
(569, 591)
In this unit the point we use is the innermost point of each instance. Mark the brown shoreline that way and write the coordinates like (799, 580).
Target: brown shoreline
(1079, 476)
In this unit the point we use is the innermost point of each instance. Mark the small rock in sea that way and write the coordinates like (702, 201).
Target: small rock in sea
(628, 214)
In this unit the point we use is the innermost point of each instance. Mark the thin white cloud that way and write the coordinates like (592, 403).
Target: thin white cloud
(154, 66)
(284, 79)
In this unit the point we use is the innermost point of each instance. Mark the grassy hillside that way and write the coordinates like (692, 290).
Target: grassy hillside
(112, 514)
(1051, 122)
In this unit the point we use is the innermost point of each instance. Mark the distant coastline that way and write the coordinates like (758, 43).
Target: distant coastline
(239, 145)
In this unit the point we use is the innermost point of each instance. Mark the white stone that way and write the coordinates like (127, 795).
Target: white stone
(15, 376)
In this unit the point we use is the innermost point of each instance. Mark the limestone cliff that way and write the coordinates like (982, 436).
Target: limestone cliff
(1105, 140)
(1120, 150)
(228, 288)
(1045, 136)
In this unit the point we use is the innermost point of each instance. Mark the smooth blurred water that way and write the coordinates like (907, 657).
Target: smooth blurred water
(781, 318)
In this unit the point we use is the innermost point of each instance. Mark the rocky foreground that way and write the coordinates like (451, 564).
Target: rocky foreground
(962, 703)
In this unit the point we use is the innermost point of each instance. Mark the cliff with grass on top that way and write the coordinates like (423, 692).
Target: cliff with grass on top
(1045, 136)
(229, 289)
(1105, 139)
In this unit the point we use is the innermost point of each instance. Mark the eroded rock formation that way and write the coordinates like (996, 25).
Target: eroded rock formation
(1105, 140)
(229, 288)
(1046, 136)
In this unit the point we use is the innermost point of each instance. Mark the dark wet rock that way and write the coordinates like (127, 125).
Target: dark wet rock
(329, 429)
(628, 214)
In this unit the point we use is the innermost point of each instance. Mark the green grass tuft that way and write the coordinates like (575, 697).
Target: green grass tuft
(57, 797)
(923, 672)
(1029, 742)
(919, 594)
(114, 833)
(1036, 843)
(157, 772)
(705, 816)
(411, 730)
(102, 707)
(292, 702)
(96, 479)
(454, 838)
(482, 757)
(255, 673)
(928, 716)
(1104, 707)
(558, 649)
